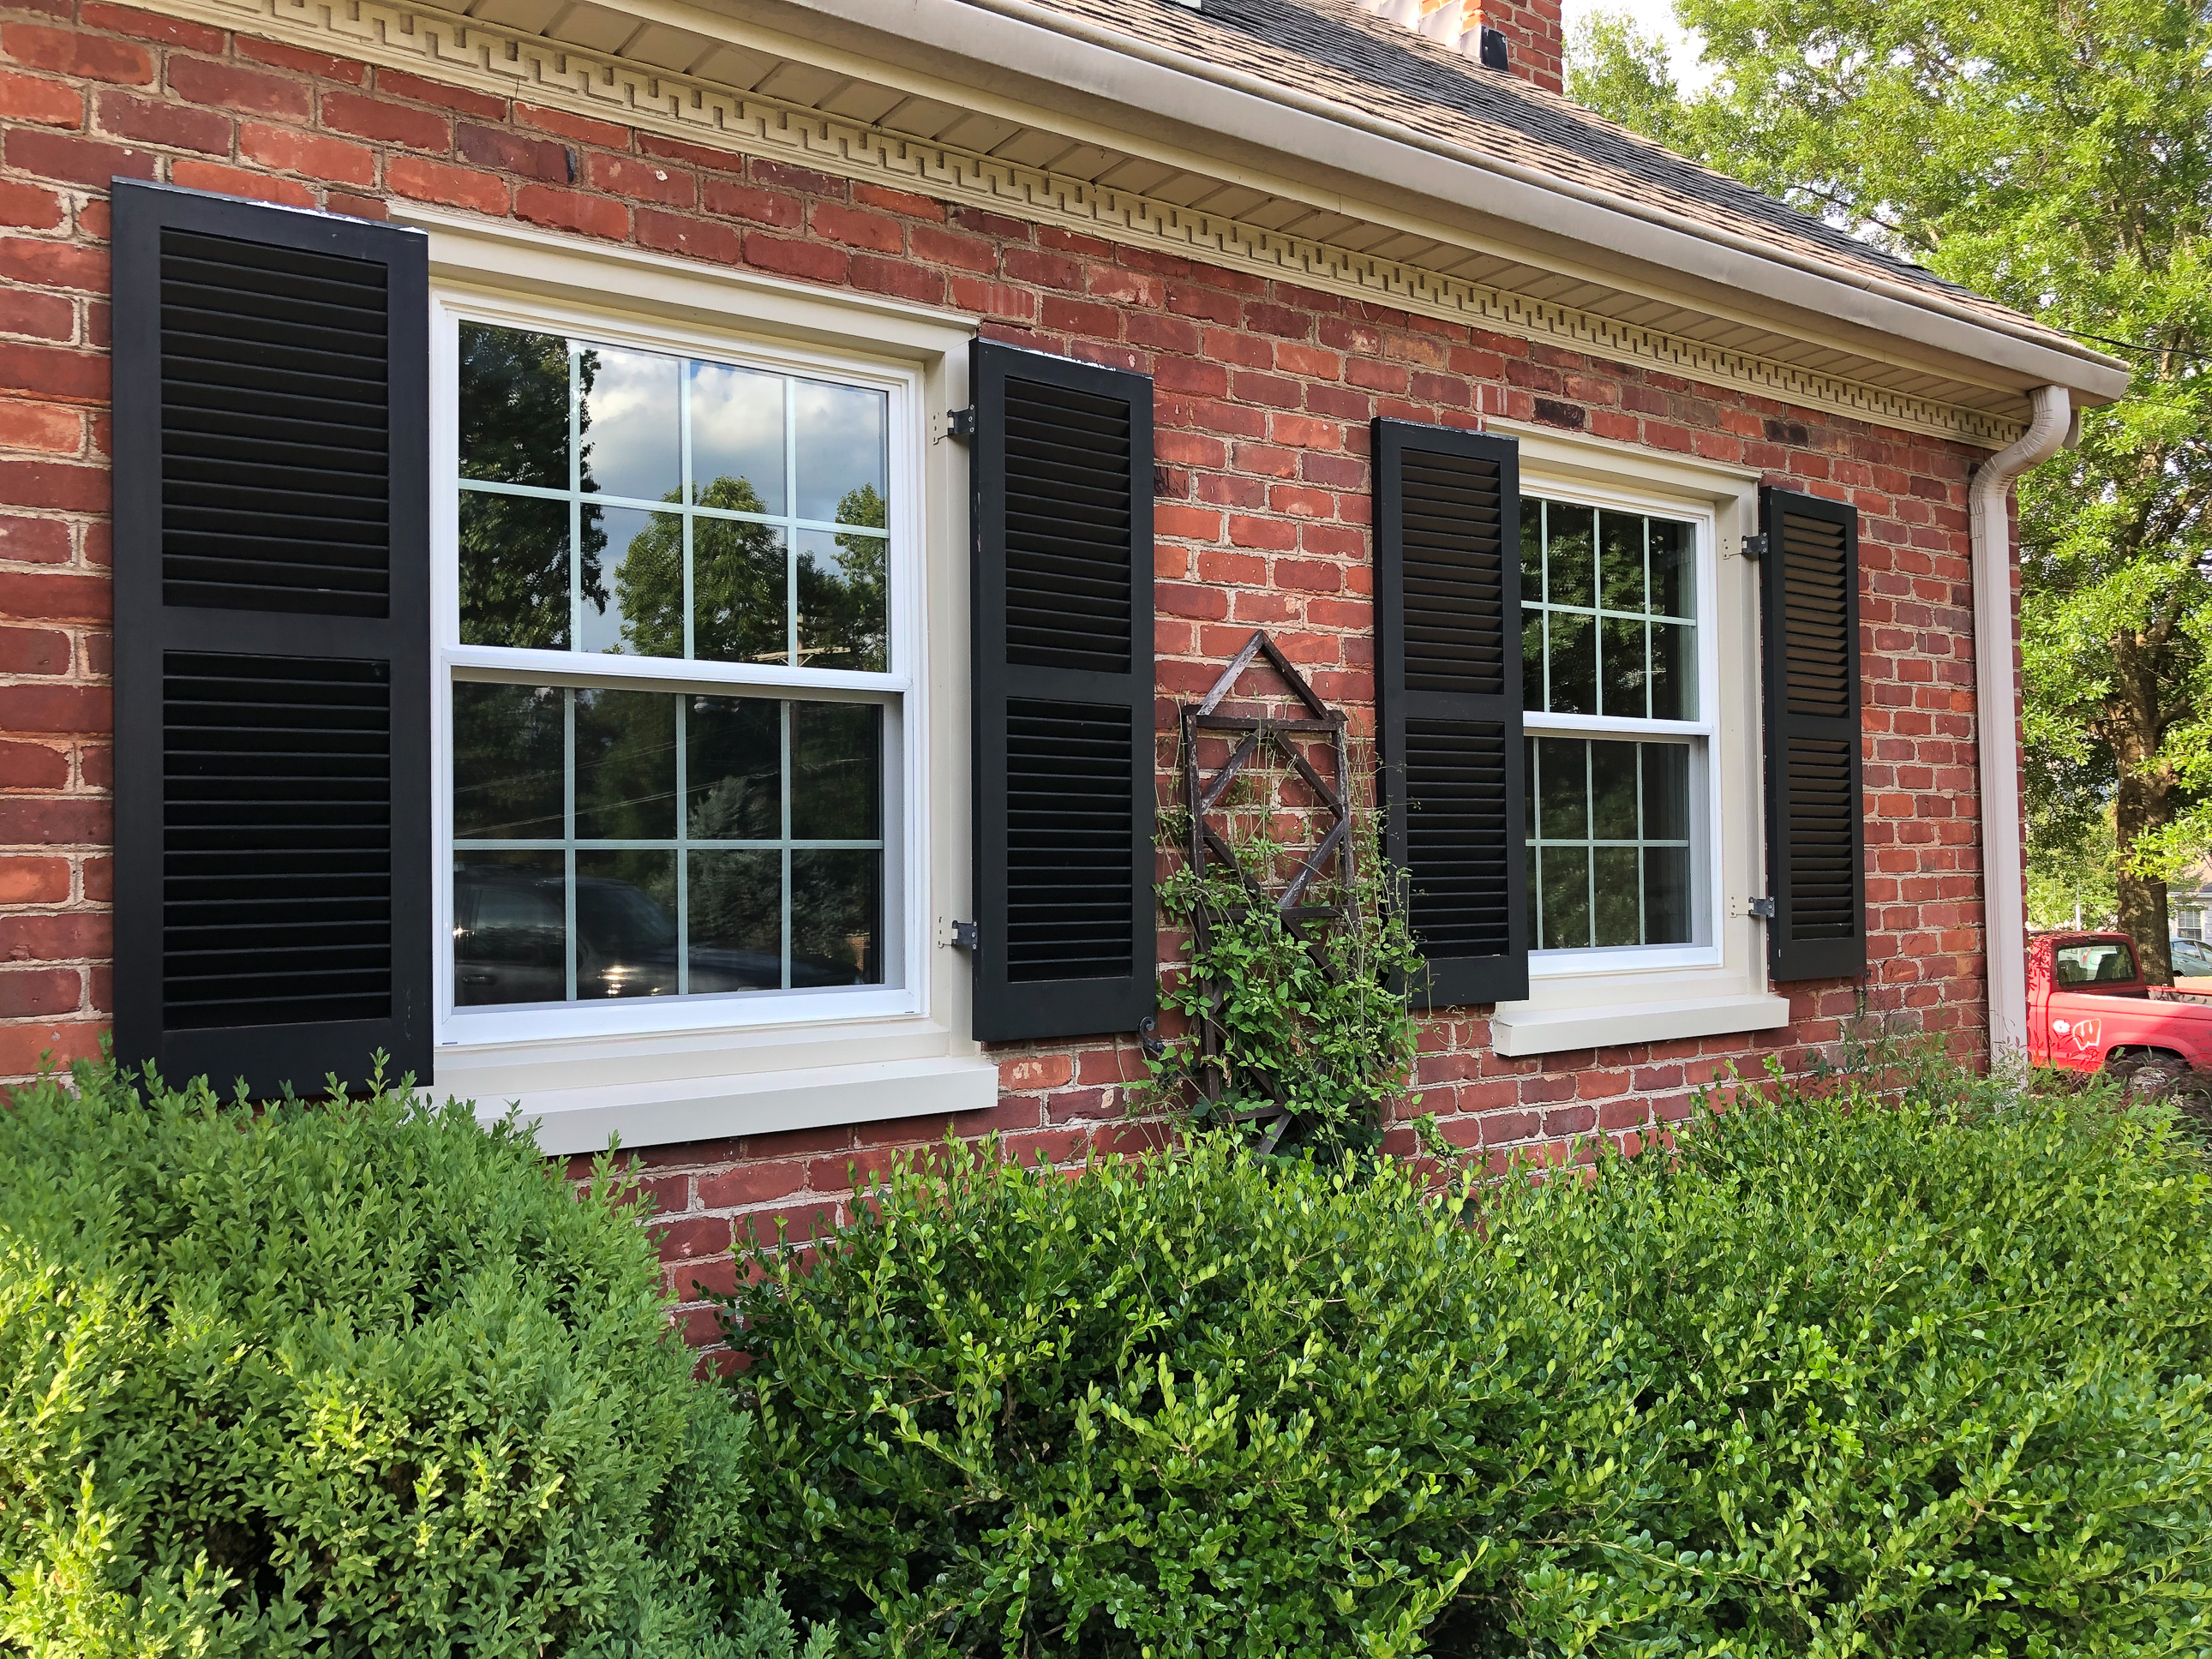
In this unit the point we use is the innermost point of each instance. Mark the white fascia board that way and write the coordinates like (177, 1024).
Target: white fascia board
(1519, 1030)
(1053, 63)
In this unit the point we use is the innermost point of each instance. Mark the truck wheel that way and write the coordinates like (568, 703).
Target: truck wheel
(2147, 1073)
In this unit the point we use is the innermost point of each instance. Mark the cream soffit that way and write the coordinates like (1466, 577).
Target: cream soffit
(1220, 229)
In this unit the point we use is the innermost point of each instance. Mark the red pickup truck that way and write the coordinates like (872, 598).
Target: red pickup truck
(2088, 1006)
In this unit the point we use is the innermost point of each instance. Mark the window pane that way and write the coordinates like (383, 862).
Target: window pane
(740, 591)
(1571, 555)
(1532, 658)
(1574, 663)
(1614, 875)
(513, 571)
(1673, 586)
(842, 616)
(839, 444)
(836, 771)
(1666, 896)
(625, 924)
(733, 770)
(1566, 898)
(735, 910)
(1666, 791)
(1531, 552)
(1674, 673)
(1563, 765)
(506, 762)
(633, 582)
(1620, 567)
(513, 406)
(627, 423)
(1612, 790)
(625, 765)
(737, 438)
(510, 928)
(1621, 657)
(836, 902)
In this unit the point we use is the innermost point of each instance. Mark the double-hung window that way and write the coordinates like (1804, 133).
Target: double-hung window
(677, 632)
(1616, 712)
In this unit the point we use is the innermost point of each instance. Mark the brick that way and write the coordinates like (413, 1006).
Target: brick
(34, 650)
(52, 265)
(678, 233)
(692, 1236)
(33, 541)
(1036, 1072)
(227, 86)
(694, 156)
(762, 207)
(312, 154)
(398, 83)
(1025, 265)
(573, 211)
(58, 936)
(502, 150)
(873, 231)
(99, 880)
(31, 207)
(55, 372)
(32, 766)
(61, 708)
(48, 316)
(75, 160)
(43, 597)
(642, 181)
(85, 56)
(35, 992)
(48, 103)
(751, 1183)
(426, 180)
(229, 180)
(35, 881)
(900, 278)
(320, 64)
(950, 247)
(577, 129)
(54, 427)
(386, 123)
(805, 180)
(811, 260)
(174, 126)
(900, 202)
(25, 1049)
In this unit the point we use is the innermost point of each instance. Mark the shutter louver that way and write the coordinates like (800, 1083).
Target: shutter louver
(1447, 604)
(273, 860)
(1061, 641)
(1815, 841)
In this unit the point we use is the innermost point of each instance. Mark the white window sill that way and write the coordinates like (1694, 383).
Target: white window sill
(750, 1103)
(1517, 1029)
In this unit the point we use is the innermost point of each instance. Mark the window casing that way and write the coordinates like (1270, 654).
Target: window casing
(1620, 693)
(675, 693)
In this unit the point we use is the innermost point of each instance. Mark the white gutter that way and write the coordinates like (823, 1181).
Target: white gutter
(2004, 919)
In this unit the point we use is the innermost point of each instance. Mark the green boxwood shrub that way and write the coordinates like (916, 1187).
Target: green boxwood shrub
(362, 1379)
(1837, 1379)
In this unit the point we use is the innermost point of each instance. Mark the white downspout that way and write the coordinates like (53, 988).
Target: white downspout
(1997, 724)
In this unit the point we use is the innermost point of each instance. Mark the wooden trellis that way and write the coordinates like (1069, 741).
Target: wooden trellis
(1203, 794)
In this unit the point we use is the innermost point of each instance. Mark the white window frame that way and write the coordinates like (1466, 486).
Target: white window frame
(669, 1069)
(897, 692)
(1705, 874)
(1608, 996)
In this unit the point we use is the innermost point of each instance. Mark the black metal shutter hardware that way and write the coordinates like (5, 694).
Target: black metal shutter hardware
(272, 635)
(1062, 643)
(1448, 620)
(1815, 839)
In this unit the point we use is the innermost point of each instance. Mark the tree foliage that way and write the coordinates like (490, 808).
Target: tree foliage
(2056, 156)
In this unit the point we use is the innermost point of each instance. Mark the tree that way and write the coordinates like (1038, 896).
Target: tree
(2056, 156)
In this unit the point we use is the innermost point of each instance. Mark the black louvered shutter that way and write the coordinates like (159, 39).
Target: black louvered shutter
(1062, 650)
(1448, 622)
(1815, 846)
(272, 636)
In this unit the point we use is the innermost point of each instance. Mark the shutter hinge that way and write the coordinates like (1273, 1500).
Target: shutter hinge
(1753, 907)
(963, 935)
(960, 422)
(1754, 547)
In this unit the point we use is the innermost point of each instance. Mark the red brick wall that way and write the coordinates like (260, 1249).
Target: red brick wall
(1265, 393)
(1535, 35)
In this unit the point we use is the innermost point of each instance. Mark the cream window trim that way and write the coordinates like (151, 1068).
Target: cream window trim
(1597, 998)
(725, 1067)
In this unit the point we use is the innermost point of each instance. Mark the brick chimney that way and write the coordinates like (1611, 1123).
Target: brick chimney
(1536, 38)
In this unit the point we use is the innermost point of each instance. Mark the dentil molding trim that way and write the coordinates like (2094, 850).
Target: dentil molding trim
(462, 51)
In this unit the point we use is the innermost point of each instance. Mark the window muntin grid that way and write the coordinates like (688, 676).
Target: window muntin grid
(610, 842)
(1608, 609)
(1609, 843)
(630, 502)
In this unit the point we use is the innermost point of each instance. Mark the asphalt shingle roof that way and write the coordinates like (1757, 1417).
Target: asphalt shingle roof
(1335, 49)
